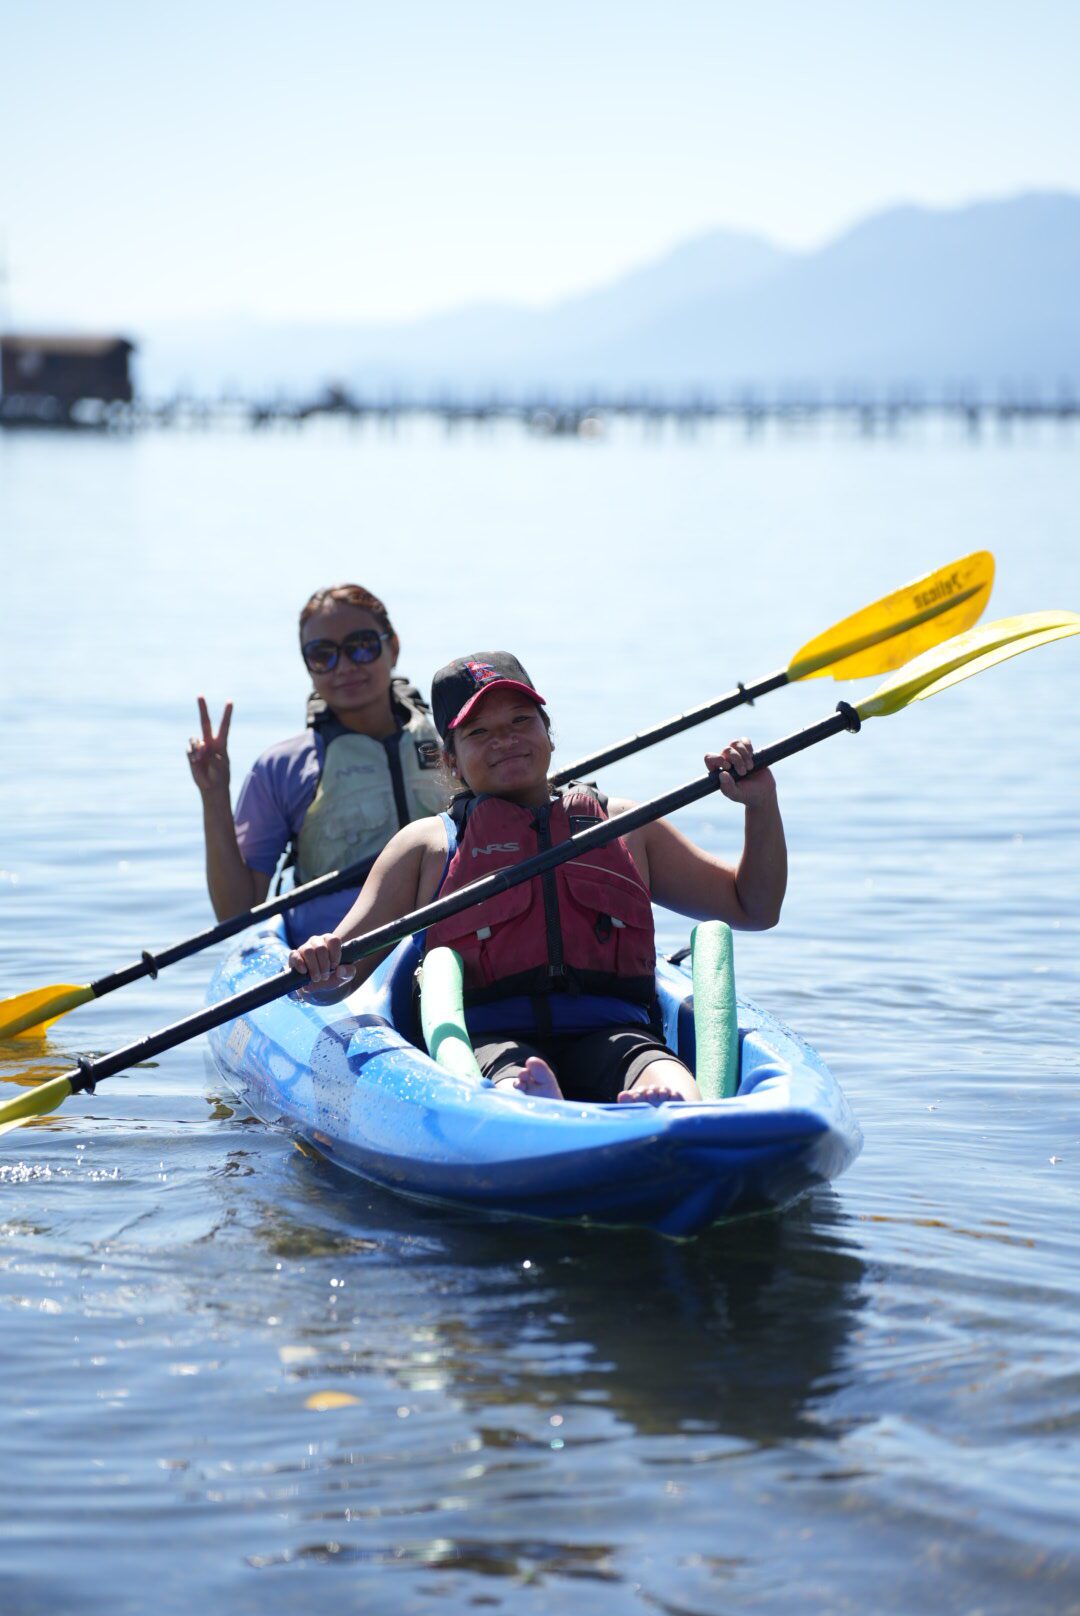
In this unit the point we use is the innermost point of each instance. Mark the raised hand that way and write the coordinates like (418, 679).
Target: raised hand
(736, 781)
(208, 758)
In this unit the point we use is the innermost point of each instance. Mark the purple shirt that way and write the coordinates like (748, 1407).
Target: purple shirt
(270, 810)
(275, 797)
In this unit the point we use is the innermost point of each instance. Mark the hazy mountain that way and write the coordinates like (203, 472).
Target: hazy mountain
(986, 294)
(481, 345)
(713, 266)
(983, 295)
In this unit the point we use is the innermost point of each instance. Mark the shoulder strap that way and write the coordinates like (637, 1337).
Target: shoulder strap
(406, 700)
(325, 723)
(453, 834)
(316, 712)
(585, 788)
(461, 806)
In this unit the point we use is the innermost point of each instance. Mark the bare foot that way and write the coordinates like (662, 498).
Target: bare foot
(661, 1080)
(654, 1093)
(537, 1081)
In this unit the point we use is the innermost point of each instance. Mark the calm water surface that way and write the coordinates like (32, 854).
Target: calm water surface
(867, 1405)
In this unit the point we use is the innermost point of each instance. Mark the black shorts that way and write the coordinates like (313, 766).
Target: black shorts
(590, 1066)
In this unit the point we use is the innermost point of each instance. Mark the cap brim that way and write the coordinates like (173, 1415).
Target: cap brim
(496, 684)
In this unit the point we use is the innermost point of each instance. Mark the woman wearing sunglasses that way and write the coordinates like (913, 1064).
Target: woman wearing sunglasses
(367, 764)
(559, 971)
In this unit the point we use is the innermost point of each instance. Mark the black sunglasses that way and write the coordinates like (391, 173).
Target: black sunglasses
(365, 645)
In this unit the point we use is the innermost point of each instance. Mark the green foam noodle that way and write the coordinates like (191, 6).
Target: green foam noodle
(716, 1023)
(442, 1014)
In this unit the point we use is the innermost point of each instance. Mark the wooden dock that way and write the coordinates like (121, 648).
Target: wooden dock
(586, 415)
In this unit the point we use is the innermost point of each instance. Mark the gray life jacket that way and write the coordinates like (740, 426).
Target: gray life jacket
(368, 789)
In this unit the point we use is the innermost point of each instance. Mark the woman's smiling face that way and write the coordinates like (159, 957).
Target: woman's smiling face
(503, 750)
(350, 686)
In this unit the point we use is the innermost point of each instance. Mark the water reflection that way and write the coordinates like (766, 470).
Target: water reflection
(742, 1332)
(28, 1061)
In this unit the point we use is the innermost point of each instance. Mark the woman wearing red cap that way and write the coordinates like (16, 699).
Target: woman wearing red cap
(559, 990)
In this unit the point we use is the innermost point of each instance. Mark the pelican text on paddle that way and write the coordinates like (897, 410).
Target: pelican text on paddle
(941, 591)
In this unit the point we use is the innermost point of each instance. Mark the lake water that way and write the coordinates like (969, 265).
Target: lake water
(869, 1404)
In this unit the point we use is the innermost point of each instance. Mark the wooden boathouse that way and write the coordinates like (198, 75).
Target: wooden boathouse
(43, 378)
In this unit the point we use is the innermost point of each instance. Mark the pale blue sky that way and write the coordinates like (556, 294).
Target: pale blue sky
(352, 161)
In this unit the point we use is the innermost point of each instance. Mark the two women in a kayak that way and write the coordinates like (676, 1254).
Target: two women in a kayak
(559, 990)
(333, 796)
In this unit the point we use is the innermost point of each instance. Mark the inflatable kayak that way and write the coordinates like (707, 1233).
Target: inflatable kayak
(354, 1081)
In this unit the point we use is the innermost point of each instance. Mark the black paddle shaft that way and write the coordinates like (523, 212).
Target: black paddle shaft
(150, 964)
(742, 694)
(88, 1072)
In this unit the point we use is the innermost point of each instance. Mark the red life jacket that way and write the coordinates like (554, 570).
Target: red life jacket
(585, 927)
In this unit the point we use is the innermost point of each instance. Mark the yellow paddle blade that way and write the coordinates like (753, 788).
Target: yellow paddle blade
(893, 630)
(965, 655)
(33, 1103)
(38, 1009)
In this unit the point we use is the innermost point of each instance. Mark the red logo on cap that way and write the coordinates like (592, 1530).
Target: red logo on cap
(482, 672)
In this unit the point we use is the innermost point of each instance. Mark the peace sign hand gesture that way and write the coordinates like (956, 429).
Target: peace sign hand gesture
(208, 758)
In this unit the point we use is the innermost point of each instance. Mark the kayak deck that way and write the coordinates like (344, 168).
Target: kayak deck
(346, 1080)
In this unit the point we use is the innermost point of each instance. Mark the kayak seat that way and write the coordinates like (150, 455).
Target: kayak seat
(702, 1029)
(392, 990)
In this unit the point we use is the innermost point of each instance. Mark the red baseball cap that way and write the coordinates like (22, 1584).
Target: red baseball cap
(456, 689)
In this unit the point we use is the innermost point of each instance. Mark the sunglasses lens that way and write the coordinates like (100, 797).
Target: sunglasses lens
(320, 655)
(363, 646)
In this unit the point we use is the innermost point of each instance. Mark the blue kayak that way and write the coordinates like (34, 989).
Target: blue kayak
(348, 1080)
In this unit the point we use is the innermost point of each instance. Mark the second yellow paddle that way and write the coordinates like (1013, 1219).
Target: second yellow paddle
(873, 641)
(930, 673)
